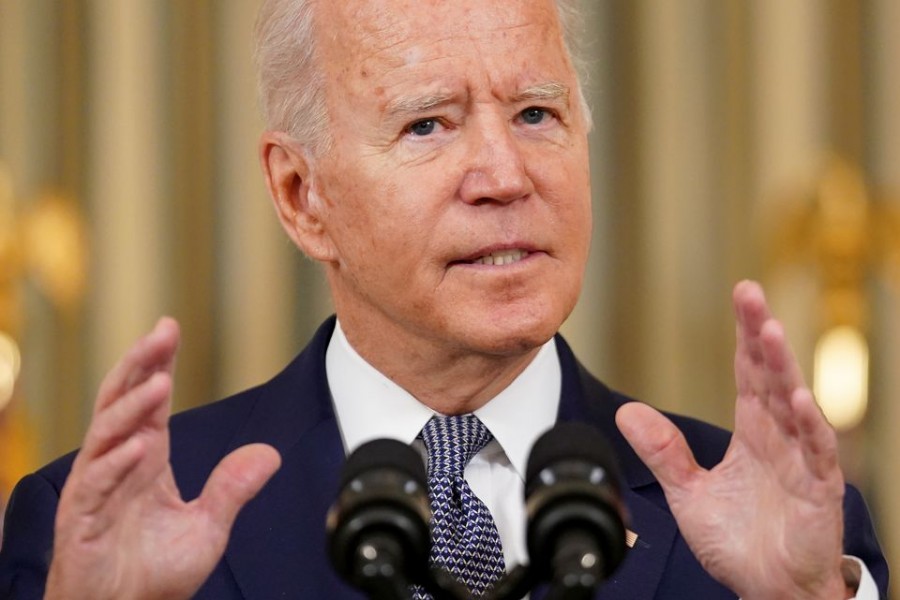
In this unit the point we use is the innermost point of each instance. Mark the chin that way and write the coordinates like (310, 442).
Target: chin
(513, 334)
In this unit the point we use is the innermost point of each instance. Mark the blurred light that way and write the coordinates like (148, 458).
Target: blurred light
(841, 379)
(10, 361)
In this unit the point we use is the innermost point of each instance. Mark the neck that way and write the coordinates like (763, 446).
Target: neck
(448, 381)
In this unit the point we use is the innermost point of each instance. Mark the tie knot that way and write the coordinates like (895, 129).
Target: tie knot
(451, 442)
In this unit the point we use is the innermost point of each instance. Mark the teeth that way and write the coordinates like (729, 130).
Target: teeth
(503, 257)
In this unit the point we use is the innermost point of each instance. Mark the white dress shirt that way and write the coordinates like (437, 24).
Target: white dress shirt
(370, 406)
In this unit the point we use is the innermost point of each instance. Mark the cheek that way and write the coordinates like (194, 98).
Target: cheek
(380, 238)
(566, 186)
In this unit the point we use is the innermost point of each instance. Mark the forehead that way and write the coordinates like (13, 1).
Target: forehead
(366, 39)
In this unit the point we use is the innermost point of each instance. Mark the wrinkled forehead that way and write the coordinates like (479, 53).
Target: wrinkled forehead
(407, 31)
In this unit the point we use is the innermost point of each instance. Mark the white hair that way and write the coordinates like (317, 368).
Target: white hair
(291, 86)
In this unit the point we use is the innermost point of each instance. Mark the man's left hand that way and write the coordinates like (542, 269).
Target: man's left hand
(767, 521)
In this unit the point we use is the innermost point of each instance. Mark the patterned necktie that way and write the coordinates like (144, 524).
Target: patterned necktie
(464, 537)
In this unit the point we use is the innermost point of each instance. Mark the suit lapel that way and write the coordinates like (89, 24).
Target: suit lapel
(277, 546)
(583, 398)
(640, 573)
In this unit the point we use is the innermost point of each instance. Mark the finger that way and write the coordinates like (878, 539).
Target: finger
(750, 308)
(817, 437)
(781, 375)
(150, 354)
(751, 312)
(235, 481)
(659, 444)
(145, 406)
(116, 444)
(782, 370)
(765, 365)
(91, 487)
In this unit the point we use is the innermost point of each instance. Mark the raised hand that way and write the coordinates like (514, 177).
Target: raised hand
(767, 521)
(122, 529)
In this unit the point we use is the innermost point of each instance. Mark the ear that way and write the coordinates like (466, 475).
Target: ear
(288, 172)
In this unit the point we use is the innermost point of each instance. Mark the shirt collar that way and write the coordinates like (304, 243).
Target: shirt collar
(368, 405)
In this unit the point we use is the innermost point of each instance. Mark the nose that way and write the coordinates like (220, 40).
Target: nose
(495, 165)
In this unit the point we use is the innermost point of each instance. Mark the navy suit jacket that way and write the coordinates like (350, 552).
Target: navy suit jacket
(277, 546)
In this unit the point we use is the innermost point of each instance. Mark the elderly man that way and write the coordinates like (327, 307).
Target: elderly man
(433, 157)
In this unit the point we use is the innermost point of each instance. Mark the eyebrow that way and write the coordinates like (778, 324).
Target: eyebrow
(415, 104)
(412, 105)
(544, 91)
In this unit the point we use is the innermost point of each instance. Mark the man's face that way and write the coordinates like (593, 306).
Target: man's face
(456, 197)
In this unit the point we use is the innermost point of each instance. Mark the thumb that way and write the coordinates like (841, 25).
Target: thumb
(236, 480)
(659, 444)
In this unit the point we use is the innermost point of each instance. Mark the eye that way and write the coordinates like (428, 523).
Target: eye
(423, 127)
(534, 115)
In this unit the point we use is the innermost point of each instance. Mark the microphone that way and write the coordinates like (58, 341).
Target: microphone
(378, 535)
(576, 527)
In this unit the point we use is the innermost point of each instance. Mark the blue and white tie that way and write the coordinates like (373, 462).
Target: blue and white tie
(464, 536)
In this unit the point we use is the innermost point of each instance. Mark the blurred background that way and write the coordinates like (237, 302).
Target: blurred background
(732, 139)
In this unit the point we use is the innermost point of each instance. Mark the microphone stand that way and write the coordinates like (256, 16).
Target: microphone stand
(577, 573)
(376, 569)
(577, 568)
(514, 585)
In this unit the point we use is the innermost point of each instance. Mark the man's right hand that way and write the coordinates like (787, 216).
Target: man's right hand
(122, 529)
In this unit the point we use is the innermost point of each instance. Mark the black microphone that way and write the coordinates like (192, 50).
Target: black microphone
(378, 534)
(576, 523)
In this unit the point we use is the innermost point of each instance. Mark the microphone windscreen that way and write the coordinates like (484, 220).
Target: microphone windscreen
(384, 453)
(574, 508)
(567, 441)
